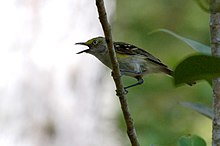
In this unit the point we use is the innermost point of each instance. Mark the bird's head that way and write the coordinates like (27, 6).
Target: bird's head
(96, 46)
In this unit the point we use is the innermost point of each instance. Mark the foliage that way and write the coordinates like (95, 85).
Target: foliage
(191, 140)
(193, 44)
(197, 67)
(200, 108)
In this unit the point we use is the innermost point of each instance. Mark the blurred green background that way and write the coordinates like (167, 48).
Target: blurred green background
(158, 116)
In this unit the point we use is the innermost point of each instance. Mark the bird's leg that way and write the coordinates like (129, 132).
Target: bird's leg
(140, 81)
(138, 77)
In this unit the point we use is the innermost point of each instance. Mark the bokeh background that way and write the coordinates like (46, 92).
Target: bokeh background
(50, 96)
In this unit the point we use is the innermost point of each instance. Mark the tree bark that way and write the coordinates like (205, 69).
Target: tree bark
(215, 46)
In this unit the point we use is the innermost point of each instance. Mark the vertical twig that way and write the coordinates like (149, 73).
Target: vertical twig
(116, 74)
(215, 46)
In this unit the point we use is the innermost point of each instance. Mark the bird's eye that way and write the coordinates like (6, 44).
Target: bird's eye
(95, 42)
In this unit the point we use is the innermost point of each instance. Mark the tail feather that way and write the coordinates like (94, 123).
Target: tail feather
(170, 72)
(167, 71)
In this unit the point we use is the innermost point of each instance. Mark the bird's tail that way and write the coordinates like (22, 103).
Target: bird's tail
(167, 71)
(170, 72)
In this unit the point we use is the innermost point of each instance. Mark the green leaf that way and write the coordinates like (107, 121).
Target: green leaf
(200, 108)
(191, 140)
(197, 67)
(193, 44)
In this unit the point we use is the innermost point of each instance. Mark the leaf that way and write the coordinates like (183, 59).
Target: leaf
(193, 44)
(197, 67)
(200, 108)
(203, 4)
(191, 140)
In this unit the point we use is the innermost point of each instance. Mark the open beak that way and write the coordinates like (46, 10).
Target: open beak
(82, 43)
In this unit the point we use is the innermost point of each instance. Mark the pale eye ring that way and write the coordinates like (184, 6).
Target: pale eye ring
(95, 42)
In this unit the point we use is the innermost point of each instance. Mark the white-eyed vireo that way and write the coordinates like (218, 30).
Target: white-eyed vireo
(133, 61)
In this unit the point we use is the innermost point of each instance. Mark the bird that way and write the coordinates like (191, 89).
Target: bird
(133, 61)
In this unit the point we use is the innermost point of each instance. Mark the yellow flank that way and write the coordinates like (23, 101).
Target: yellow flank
(122, 56)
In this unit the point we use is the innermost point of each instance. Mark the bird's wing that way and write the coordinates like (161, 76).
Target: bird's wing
(125, 48)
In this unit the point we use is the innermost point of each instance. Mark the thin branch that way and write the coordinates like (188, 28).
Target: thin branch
(116, 74)
(215, 46)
